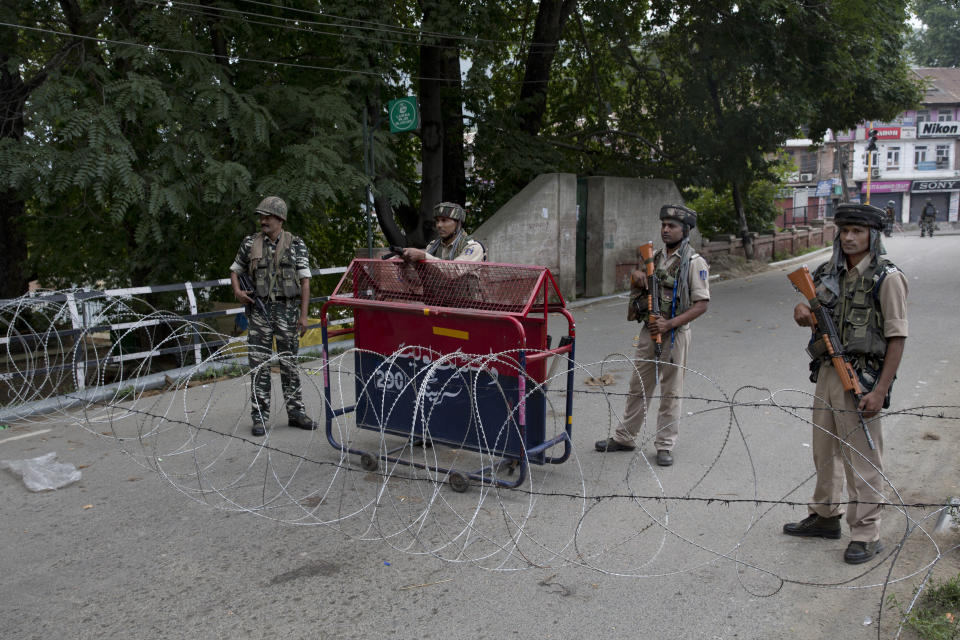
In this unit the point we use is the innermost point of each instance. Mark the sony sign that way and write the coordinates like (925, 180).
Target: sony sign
(938, 129)
(936, 185)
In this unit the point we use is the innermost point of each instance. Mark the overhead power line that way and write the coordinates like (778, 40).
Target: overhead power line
(204, 54)
(356, 23)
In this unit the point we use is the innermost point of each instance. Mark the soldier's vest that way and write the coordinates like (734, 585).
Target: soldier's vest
(667, 278)
(274, 273)
(857, 314)
(435, 248)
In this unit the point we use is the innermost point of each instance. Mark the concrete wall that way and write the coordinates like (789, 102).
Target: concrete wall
(622, 214)
(771, 246)
(537, 226)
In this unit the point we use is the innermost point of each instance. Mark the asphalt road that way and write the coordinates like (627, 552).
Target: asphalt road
(175, 532)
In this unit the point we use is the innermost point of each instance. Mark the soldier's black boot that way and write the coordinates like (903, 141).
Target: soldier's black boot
(302, 422)
(858, 552)
(814, 526)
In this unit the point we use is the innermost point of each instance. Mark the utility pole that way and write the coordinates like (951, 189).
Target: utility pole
(842, 162)
(368, 169)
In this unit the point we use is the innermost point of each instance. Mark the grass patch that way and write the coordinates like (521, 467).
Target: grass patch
(228, 371)
(937, 614)
(123, 393)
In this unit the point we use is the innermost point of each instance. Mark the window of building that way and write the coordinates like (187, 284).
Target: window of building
(945, 115)
(874, 159)
(806, 161)
(923, 115)
(943, 156)
(919, 154)
(893, 158)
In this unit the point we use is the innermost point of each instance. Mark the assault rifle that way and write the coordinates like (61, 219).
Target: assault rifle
(653, 292)
(246, 284)
(395, 252)
(823, 325)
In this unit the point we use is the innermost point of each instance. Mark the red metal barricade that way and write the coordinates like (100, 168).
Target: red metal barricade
(453, 353)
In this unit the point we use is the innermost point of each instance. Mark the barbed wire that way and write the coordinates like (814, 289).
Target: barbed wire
(615, 514)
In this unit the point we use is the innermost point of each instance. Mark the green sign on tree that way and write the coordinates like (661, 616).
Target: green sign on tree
(404, 114)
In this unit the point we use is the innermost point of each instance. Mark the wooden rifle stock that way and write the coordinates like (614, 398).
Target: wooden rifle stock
(823, 326)
(653, 293)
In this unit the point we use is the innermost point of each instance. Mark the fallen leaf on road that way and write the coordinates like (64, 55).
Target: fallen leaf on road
(88, 506)
(602, 381)
(930, 436)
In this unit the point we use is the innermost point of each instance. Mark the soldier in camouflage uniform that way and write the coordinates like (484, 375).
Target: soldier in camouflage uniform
(275, 267)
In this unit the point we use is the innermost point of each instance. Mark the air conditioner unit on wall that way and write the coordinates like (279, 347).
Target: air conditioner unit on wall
(806, 177)
(874, 173)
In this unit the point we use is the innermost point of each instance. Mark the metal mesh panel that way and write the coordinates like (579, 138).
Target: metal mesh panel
(503, 288)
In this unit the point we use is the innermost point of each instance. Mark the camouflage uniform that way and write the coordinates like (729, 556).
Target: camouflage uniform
(276, 319)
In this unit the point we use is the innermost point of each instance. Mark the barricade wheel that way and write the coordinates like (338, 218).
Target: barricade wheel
(368, 462)
(458, 482)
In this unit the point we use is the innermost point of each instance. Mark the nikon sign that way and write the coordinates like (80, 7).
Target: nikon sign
(938, 129)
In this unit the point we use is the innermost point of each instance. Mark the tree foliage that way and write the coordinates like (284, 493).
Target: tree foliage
(937, 42)
(153, 154)
(727, 83)
(145, 132)
(713, 208)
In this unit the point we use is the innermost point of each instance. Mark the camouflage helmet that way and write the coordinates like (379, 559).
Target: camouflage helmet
(272, 206)
(679, 213)
(450, 210)
(891, 203)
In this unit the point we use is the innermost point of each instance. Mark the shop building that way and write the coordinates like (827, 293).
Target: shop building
(917, 157)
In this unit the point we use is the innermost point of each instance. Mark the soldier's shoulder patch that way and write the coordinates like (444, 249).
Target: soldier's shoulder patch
(468, 251)
(892, 268)
(703, 274)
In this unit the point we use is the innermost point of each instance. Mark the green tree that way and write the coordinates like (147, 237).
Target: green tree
(937, 42)
(726, 83)
(153, 153)
(548, 94)
(714, 208)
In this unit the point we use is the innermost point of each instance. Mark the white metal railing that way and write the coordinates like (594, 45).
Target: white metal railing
(85, 312)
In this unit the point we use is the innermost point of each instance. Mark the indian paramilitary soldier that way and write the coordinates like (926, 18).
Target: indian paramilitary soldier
(278, 265)
(684, 295)
(928, 217)
(452, 241)
(866, 296)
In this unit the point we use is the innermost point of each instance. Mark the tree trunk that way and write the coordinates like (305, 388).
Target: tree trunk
(451, 103)
(431, 134)
(13, 246)
(441, 121)
(552, 16)
(13, 242)
(745, 236)
(395, 236)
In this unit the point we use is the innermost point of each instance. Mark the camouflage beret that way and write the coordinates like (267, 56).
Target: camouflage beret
(862, 214)
(679, 213)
